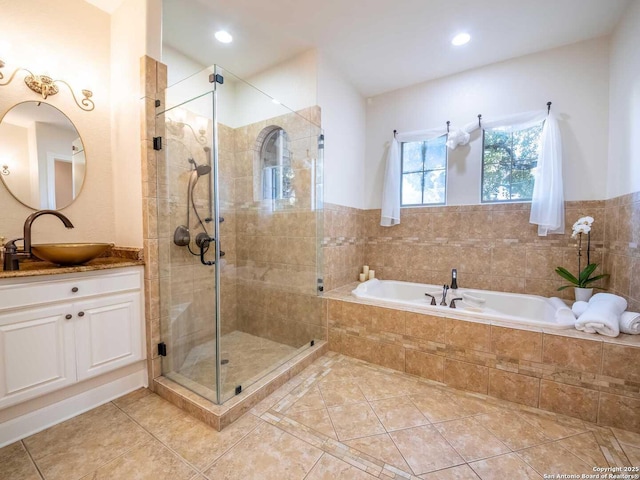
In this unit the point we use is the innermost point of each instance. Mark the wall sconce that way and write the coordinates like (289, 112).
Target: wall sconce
(46, 86)
(176, 127)
(5, 170)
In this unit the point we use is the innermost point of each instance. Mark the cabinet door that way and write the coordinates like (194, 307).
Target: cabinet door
(37, 353)
(108, 333)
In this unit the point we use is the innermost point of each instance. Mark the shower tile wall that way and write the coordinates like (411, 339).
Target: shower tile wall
(494, 247)
(343, 245)
(277, 241)
(622, 238)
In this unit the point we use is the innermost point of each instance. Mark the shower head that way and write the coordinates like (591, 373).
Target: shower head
(203, 170)
(200, 169)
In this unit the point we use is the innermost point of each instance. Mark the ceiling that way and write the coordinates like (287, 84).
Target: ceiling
(380, 45)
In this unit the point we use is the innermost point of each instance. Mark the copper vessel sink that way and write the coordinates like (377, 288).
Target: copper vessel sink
(68, 254)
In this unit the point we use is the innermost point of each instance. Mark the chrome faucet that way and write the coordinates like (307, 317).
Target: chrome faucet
(11, 253)
(444, 295)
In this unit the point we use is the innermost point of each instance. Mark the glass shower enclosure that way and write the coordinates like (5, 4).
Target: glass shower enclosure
(239, 227)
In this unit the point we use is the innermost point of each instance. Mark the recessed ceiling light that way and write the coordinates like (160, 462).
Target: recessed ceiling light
(223, 36)
(460, 39)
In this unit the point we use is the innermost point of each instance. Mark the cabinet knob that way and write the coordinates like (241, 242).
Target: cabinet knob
(81, 314)
(68, 316)
(74, 289)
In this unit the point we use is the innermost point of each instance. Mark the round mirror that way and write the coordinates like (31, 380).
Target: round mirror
(42, 160)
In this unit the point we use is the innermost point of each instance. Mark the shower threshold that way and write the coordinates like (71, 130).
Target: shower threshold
(194, 397)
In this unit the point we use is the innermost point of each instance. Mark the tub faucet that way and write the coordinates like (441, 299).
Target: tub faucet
(453, 302)
(454, 279)
(444, 295)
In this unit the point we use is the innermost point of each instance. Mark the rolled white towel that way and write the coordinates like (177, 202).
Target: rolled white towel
(630, 323)
(616, 300)
(602, 315)
(564, 315)
(578, 308)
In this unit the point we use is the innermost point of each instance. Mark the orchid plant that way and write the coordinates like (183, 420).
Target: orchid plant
(584, 278)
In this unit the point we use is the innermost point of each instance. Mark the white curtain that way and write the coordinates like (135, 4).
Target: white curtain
(547, 203)
(393, 174)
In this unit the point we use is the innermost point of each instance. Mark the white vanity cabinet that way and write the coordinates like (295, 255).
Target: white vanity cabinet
(61, 329)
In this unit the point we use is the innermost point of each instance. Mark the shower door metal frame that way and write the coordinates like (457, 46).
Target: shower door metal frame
(215, 198)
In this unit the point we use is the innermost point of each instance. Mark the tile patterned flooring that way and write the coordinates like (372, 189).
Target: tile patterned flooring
(340, 419)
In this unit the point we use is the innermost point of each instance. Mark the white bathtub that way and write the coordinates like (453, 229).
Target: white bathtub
(494, 307)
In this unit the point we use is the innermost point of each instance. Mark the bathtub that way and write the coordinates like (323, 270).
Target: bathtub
(479, 305)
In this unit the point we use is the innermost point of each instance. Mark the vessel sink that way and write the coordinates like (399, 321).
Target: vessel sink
(69, 254)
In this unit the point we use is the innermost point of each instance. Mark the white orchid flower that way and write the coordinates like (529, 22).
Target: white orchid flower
(585, 221)
(583, 228)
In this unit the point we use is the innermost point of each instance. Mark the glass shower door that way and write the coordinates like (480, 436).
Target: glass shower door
(240, 209)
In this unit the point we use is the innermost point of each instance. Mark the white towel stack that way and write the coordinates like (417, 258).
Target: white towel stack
(564, 315)
(602, 315)
(630, 323)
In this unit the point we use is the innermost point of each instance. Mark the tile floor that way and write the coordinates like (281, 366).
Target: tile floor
(340, 419)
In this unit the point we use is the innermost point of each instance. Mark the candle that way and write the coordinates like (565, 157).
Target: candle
(365, 270)
(362, 277)
(372, 274)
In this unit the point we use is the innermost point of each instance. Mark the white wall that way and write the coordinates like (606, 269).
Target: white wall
(575, 78)
(343, 122)
(77, 35)
(134, 33)
(624, 105)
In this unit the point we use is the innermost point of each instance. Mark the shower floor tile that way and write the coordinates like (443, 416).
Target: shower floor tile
(298, 434)
(245, 359)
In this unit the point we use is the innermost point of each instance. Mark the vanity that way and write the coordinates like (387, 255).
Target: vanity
(72, 330)
(59, 330)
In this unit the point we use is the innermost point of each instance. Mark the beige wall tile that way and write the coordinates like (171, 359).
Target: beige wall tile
(573, 353)
(514, 387)
(468, 335)
(621, 362)
(569, 400)
(516, 344)
(388, 320)
(620, 412)
(425, 365)
(426, 327)
(466, 376)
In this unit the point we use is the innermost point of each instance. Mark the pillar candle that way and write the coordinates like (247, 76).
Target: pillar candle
(365, 270)
(372, 274)
(362, 277)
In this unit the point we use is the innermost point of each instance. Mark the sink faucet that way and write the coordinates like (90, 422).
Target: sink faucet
(11, 254)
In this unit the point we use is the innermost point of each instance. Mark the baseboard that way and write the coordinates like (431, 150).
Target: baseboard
(38, 420)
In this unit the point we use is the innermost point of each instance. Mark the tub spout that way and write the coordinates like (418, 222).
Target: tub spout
(454, 279)
(453, 302)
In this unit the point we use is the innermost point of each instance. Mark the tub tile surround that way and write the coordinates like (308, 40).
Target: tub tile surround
(590, 377)
(494, 247)
(299, 433)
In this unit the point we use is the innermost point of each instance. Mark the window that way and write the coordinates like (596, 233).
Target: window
(509, 160)
(277, 173)
(424, 172)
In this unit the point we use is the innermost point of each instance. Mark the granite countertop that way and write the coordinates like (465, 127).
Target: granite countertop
(116, 257)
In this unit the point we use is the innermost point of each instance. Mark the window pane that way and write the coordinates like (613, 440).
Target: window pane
(436, 156)
(412, 189)
(412, 157)
(434, 186)
(509, 158)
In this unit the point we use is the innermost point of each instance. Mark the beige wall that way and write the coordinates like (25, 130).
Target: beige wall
(15, 146)
(76, 36)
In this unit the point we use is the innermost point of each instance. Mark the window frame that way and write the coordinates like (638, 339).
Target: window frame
(424, 171)
(482, 176)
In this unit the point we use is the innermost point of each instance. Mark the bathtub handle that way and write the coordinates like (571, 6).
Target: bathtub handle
(433, 299)
(453, 302)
